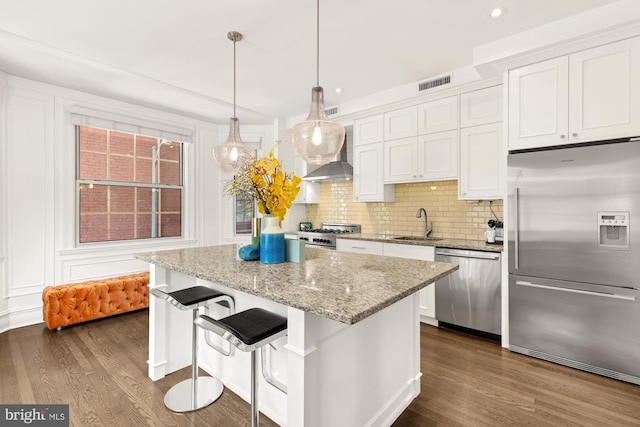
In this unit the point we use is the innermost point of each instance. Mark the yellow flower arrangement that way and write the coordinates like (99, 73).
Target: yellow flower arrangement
(265, 181)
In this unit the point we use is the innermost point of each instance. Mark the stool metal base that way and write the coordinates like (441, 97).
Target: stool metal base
(179, 399)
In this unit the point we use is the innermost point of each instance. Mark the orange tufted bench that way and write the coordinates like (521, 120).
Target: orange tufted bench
(73, 303)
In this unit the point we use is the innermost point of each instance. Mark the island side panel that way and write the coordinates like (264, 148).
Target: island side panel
(169, 328)
(363, 374)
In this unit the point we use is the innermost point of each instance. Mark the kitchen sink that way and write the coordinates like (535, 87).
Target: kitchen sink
(418, 239)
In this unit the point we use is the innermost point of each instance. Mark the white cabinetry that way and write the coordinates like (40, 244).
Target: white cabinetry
(309, 191)
(368, 184)
(481, 107)
(360, 246)
(481, 163)
(422, 150)
(401, 123)
(438, 116)
(432, 157)
(368, 130)
(438, 156)
(586, 96)
(427, 295)
(482, 159)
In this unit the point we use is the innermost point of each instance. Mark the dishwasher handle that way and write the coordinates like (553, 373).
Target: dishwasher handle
(472, 255)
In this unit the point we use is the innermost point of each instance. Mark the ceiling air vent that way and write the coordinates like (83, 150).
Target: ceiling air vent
(331, 111)
(433, 83)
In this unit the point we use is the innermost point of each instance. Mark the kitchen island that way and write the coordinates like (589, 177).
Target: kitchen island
(352, 354)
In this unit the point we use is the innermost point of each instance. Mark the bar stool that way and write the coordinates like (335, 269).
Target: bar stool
(248, 330)
(196, 392)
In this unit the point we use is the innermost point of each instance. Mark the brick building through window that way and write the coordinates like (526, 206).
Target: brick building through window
(129, 186)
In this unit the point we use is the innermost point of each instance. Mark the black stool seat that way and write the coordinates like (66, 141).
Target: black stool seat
(194, 295)
(251, 326)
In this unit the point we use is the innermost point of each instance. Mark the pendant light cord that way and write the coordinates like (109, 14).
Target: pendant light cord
(234, 76)
(317, 43)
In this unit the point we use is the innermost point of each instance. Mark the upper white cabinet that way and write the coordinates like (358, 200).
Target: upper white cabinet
(309, 191)
(438, 156)
(401, 123)
(368, 130)
(482, 163)
(481, 107)
(590, 95)
(482, 158)
(432, 157)
(368, 185)
(438, 116)
(400, 160)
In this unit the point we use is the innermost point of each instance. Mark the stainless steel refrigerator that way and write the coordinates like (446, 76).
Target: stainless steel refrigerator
(574, 256)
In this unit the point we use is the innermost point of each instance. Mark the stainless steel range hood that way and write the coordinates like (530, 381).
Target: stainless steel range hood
(337, 170)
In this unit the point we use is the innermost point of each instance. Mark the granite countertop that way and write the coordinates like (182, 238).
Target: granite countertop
(476, 245)
(342, 286)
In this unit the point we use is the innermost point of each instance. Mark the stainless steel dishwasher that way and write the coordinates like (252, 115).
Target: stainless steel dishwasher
(470, 297)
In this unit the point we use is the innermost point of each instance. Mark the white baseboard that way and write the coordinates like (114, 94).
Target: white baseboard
(26, 316)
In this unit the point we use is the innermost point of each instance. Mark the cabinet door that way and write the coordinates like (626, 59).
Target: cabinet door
(438, 156)
(481, 163)
(401, 123)
(359, 246)
(438, 116)
(368, 183)
(368, 130)
(428, 294)
(481, 107)
(309, 191)
(604, 89)
(539, 104)
(400, 160)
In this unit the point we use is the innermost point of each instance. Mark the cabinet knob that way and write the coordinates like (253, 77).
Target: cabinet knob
(563, 136)
(575, 134)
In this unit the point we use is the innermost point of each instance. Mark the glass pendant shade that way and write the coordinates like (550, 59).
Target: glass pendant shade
(317, 140)
(233, 153)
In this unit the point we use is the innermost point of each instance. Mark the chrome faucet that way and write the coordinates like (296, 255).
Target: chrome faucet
(427, 226)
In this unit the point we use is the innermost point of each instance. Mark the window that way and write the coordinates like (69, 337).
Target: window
(245, 212)
(129, 186)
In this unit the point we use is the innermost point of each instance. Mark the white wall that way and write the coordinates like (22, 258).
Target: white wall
(38, 199)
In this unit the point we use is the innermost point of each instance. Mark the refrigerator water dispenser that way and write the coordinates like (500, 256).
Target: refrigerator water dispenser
(613, 230)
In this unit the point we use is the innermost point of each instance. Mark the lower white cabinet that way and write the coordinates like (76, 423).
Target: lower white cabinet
(360, 246)
(428, 294)
(424, 253)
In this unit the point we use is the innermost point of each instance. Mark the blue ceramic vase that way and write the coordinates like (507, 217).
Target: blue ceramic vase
(272, 245)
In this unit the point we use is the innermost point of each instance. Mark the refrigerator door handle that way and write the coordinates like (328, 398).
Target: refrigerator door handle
(576, 291)
(516, 233)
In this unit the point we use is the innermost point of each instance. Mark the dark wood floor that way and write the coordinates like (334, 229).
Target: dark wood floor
(100, 369)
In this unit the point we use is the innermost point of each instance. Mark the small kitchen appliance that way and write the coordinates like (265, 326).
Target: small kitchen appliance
(325, 236)
(498, 227)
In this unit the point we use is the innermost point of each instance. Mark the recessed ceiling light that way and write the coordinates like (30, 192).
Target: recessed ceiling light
(338, 90)
(498, 11)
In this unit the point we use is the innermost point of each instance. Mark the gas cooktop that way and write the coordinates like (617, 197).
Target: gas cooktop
(325, 236)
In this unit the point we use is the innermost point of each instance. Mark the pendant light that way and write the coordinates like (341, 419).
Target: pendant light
(233, 153)
(317, 140)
